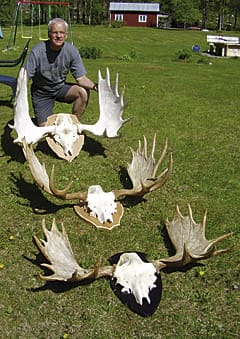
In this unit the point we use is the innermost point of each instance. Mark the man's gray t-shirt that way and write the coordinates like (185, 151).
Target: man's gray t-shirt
(48, 69)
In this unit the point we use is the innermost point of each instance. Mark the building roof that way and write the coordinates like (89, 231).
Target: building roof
(225, 40)
(134, 6)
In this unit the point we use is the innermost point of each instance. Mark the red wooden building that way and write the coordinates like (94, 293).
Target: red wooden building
(136, 13)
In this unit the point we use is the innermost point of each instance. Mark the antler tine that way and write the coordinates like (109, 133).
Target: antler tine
(63, 193)
(161, 156)
(144, 152)
(164, 175)
(40, 243)
(204, 221)
(116, 86)
(177, 213)
(108, 77)
(57, 192)
(192, 220)
(123, 105)
(215, 241)
(218, 252)
(191, 215)
(153, 145)
(100, 75)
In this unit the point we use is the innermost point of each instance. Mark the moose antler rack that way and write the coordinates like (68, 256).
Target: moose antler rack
(134, 279)
(63, 131)
(103, 209)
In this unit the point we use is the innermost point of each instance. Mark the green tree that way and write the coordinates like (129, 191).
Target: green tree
(214, 14)
(7, 10)
(186, 12)
(234, 8)
(89, 12)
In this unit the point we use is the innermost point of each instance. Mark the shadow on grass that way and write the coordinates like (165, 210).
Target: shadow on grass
(7, 102)
(93, 147)
(14, 151)
(43, 147)
(37, 201)
(128, 201)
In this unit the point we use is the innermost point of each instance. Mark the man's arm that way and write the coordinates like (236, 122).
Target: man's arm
(30, 65)
(83, 81)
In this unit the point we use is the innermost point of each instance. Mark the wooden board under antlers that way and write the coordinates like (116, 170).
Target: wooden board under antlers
(57, 148)
(83, 213)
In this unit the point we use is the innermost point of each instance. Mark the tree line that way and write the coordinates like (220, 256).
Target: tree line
(204, 14)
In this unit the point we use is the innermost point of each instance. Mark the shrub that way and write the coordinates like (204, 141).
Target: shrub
(183, 54)
(90, 52)
(117, 24)
(203, 60)
(133, 54)
(128, 57)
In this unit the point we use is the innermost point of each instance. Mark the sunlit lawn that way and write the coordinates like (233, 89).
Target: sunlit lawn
(194, 105)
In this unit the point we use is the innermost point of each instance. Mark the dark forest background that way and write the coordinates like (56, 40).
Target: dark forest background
(204, 14)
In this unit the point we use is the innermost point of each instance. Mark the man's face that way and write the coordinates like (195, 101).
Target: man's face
(57, 35)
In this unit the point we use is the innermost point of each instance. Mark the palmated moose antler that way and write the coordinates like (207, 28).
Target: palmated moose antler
(111, 107)
(142, 172)
(189, 241)
(57, 250)
(23, 124)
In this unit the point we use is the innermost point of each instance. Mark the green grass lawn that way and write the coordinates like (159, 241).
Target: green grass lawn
(196, 106)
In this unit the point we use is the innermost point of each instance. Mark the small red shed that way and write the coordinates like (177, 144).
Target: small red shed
(135, 13)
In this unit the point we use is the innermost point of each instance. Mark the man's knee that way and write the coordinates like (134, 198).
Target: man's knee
(84, 94)
(76, 92)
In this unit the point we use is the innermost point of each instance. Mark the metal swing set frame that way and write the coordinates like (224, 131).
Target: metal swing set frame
(33, 8)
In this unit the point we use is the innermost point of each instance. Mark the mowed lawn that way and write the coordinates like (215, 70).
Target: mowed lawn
(193, 103)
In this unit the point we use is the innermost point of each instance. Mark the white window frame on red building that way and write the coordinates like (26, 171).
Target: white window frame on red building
(142, 18)
(118, 17)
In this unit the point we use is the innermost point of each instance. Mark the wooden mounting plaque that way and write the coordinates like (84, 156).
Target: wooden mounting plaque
(82, 212)
(57, 148)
